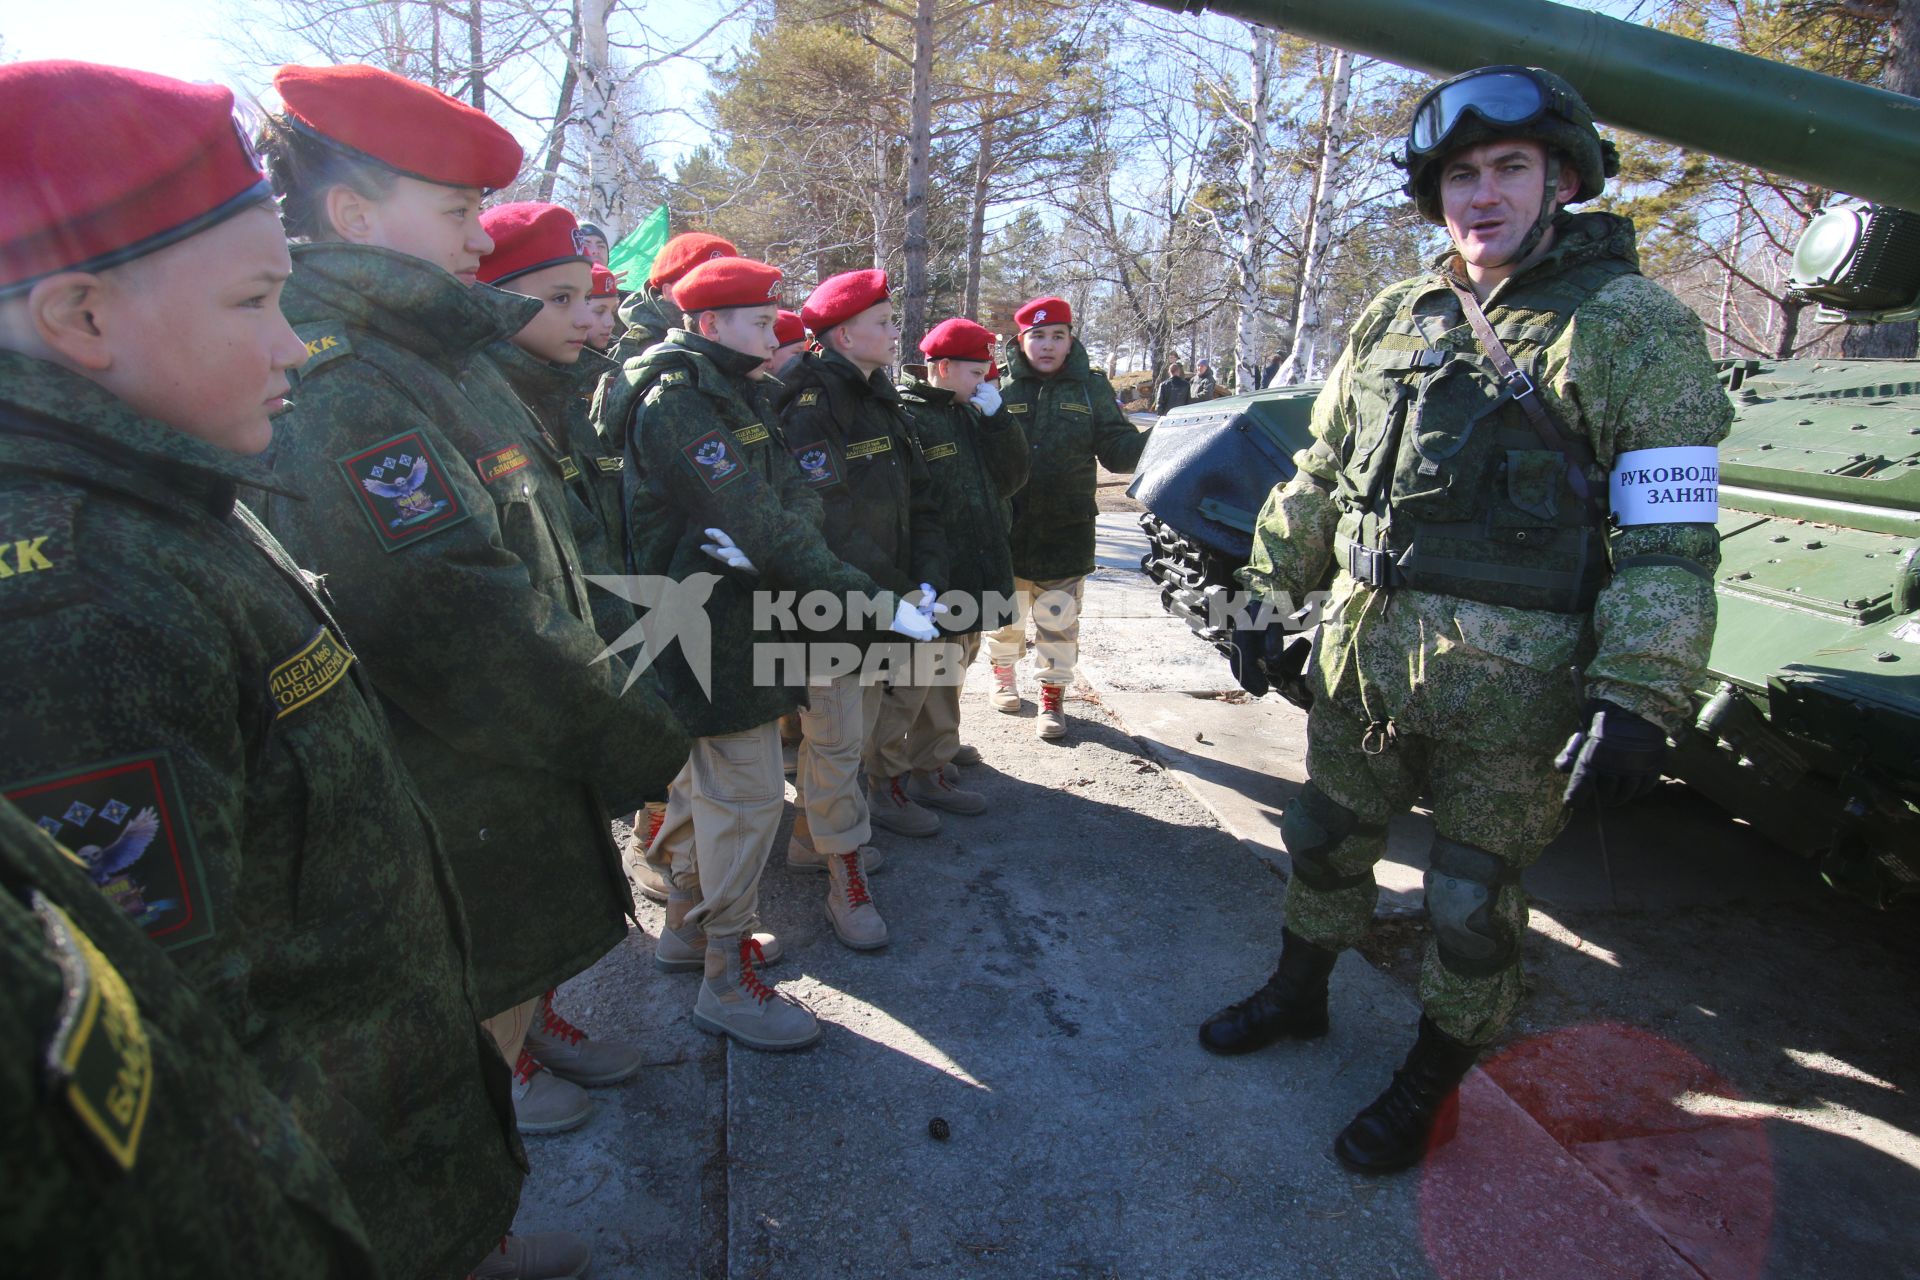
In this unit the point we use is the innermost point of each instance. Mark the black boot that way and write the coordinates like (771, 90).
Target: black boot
(1418, 1112)
(1292, 1006)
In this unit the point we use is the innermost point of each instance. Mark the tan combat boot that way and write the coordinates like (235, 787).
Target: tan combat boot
(850, 910)
(535, 1255)
(573, 1055)
(543, 1102)
(890, 807)
(1052, 720)
(682, 947)
(1005, 694)
(648, 880)
(733, 1001)
(938, 791)
(802, 856)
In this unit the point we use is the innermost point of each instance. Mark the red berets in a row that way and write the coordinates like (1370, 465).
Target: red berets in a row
(840, 298)
(528, 236)
(720, 283)
(102, 164)
(685, 252)
(1043, 311)
(789, 328)
(958, 339)
(401, 123)
(605, 283)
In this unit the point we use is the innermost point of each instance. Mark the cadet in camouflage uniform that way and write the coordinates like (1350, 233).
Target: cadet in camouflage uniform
(197, 726)
(429, 506)
(1485, 612)
(649, 311)
(1072, 420)
(554, 373)
(712, 486)
(603, 300)
(139, 1142)
(977, 458)
(846, 428)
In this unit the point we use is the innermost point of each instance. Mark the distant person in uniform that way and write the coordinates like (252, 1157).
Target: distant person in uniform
(603, 302)
(649, 311)
(593, 243)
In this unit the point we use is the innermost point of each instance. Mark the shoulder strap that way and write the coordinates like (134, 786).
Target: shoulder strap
(1521, 387)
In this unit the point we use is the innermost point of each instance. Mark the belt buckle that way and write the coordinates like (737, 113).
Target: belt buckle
(1520, 384)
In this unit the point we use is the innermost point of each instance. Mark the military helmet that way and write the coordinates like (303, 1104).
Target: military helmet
(1488, 103)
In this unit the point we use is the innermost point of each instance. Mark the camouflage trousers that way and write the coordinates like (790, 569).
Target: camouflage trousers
(1504, 803)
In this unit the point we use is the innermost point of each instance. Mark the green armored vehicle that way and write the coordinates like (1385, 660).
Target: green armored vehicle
(1809, 723)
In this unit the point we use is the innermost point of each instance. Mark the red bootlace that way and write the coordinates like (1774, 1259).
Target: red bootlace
(1003, 677)
(1051, 696)
(558, 1026)
(857, 895)
(750, 951)
(900, 796)
(526, 1069)
(656, 818)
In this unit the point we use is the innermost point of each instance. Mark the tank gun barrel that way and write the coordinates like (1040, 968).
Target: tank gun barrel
(1846, 137)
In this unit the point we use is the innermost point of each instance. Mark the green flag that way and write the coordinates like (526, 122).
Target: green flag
(632, 258)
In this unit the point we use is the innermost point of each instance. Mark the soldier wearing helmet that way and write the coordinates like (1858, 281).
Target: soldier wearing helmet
(1520, 607)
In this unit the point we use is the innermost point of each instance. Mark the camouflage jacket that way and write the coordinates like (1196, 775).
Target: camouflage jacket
(560, 397)
(648, 315)
(451, 556)
(1071, 420)
(199, 730)
(1629, 371)
(977, 464)
(705, 452)
(850, 435)
(140, 1141)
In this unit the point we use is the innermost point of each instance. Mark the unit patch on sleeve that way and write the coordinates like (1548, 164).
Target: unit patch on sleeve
(99, 1057)
(755, 434)
(125, 821)
(816, 464)
(501, 462)
(404, 490)
(940, 451)
(869, 448)
(714, 460)
(319, 666)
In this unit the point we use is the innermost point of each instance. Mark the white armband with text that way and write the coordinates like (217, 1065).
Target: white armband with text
(1666, 486)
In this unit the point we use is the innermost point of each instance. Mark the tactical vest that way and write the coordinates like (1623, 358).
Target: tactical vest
(1444, 486)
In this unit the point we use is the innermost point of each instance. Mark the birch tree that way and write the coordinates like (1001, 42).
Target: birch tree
(1300, 363)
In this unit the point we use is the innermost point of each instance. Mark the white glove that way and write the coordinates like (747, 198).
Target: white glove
(930, 606)
(986, 399)
(723, 550)
(913, 624)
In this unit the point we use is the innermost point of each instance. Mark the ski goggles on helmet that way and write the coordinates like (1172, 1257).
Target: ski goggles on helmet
(1504, 97)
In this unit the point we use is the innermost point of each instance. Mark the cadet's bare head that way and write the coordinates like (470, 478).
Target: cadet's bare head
(366, 157)
(155, 273)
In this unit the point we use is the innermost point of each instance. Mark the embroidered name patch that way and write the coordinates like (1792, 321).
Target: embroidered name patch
(714, 459)
(1074, 406)
(1680, 485)
(569, 469)
(868, 448)
(319, 666)
(501, 462)
(403, 490)
(751, 435)
(125, 821)
(610, 466)
(1016, 408)
(100, 1055)
(816, 464)
(940, 451)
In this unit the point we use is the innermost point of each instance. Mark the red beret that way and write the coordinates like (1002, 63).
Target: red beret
(605, 283)
(842, 297)
(727, 282)
(404, 125)
(789, 328)
(1043, 311)
(527, 236)
(100, 165)
(958, 339)
(685, 252)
